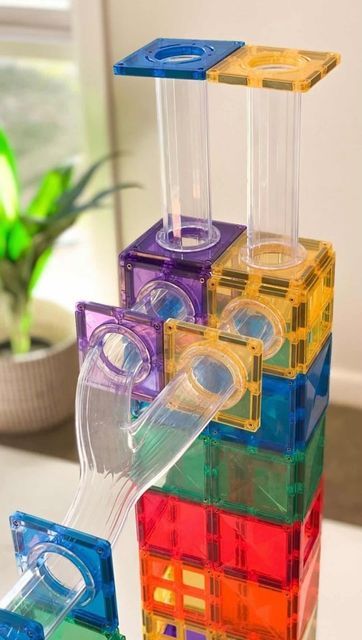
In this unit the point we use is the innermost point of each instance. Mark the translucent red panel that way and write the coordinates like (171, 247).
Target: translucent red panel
(177, 526)
(272, 553)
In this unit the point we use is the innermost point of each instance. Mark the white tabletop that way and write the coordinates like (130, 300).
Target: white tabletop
(45, 486)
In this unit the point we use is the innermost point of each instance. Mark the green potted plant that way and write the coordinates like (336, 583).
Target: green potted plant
(38, 356)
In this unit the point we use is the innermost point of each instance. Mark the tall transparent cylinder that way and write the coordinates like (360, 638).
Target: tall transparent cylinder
(182, 111)
(273, 178)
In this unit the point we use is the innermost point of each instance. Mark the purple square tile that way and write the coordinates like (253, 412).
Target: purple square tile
(94, 320)
(145, 260)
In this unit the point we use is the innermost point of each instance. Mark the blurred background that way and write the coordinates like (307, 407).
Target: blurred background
(59, 100)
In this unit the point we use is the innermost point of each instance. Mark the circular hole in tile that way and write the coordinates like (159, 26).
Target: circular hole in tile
(277, 62)
(179, 54)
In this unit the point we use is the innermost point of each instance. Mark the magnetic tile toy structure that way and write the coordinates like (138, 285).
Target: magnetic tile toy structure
(222, 342)
(230, 537)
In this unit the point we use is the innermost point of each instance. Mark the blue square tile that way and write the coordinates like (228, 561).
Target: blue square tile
(290, 408)
(34, 537)
(176, 58)
(15, 627)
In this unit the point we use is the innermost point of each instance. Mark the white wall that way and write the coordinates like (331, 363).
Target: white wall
(331, 133)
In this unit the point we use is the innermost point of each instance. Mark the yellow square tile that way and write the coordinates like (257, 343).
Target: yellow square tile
(242, 355)
(299, 299)
(274, 68)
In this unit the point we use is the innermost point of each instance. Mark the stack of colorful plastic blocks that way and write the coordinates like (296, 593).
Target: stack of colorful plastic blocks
(218, 358)
(230, 538)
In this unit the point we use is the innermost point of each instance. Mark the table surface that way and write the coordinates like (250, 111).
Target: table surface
(45, 486)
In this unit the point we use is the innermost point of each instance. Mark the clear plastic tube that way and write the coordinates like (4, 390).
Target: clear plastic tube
(183, 132)
(252, 318)
(38, 597)
(163, 299)
(119, 458)
(273, 178)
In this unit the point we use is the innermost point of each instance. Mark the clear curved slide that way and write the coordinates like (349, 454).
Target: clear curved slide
(120, 459)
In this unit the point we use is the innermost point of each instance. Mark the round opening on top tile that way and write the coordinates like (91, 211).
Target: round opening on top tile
(122, 352)
(275, 67)
(188, 237)
(179, 54)
(273, 255)
(277, 61)
(165, 300)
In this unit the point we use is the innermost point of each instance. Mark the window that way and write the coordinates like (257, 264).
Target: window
(35, 28)
(45, 112)
(37, 4)
(40, 111)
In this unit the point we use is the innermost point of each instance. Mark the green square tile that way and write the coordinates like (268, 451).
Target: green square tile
(70, 630)
(189, 478)
(267, 484)
(312, 468)
(270, 485)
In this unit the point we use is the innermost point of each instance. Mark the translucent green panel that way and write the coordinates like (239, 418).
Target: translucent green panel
(273, 486)
(312, 467)
(69, 630)
(267, 484)
(189, 477)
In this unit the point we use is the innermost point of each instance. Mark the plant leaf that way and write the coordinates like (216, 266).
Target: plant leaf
(38, 268)
(93, 202)
(9, 197)
(75, 210)
(2, 238)
(18, 240)
(53, 185)
(11, 279)
(67, 199)
(46, 238)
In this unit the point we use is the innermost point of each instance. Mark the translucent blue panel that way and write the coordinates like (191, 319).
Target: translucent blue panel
(32, 535)
(15, 627)
(180, 58)
(290, 409)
